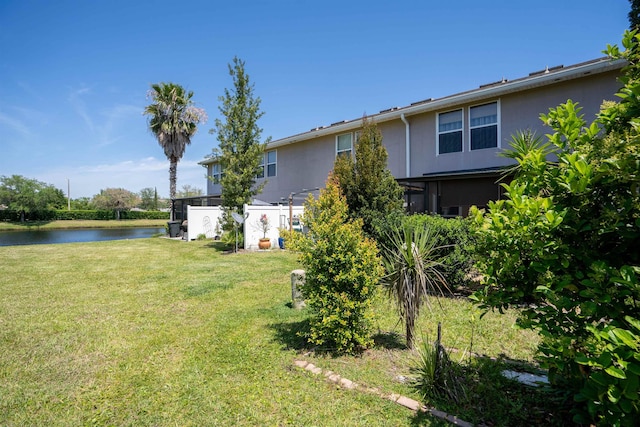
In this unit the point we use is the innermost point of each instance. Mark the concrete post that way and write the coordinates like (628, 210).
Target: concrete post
(297, 282)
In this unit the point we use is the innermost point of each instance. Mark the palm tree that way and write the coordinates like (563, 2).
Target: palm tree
(412, 272)
(173, 119)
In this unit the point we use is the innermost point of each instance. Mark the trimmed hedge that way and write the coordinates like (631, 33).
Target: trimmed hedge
(102, 215)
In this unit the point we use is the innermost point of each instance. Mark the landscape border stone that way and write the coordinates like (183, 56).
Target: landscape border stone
(397, 398)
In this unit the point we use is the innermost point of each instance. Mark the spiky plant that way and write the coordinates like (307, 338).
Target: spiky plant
(413, 272)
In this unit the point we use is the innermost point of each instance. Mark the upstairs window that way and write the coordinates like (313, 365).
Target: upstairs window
(268, 161)
(483, 126)
(450, 132)
(271, 158)
(260, 173)
(216, 173)
(344, 144)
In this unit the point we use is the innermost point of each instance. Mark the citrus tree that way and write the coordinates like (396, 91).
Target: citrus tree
(563, 247)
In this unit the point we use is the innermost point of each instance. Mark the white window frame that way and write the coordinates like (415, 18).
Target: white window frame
(343, 151)
(274, 163)
(461, 130)
(497, 124)
(260, 175)
(216, 175)
(265, 163)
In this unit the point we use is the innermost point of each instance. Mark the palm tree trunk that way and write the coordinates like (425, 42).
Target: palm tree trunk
(173, 177)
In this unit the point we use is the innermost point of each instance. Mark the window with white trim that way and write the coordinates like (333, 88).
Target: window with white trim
(260, 173)
(483, 126)
(450, 132)
(344, 144)
(271, 159)
(216, 173)
(268, 161)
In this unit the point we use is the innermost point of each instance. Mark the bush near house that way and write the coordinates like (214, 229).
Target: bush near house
(453, 243)
(564, 245)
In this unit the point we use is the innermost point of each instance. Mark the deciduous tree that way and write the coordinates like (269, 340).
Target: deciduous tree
(149, 199)
(26, 195)
(190, 191)
(116, 199)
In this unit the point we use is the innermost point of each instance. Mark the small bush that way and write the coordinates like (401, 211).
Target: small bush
(342, 271)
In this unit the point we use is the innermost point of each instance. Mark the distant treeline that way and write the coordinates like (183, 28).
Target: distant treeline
(53, 215)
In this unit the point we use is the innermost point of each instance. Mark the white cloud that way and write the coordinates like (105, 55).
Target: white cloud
(15, 124)
(133, 175)
(75, 99)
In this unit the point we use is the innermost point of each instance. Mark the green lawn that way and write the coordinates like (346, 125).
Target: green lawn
(66, 224)
(162, 332)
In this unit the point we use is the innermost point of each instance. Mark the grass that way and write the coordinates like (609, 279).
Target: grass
(68, 224)
(161, 332)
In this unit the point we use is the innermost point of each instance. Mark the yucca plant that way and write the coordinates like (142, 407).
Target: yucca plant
(413, 272)
(437, 376)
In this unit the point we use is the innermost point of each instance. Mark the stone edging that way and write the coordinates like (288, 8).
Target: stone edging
(397, 398)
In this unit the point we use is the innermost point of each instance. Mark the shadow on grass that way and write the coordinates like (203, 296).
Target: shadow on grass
(389, 341)
(490, 398)
(219, 246)
(425, 419)
(291, 334)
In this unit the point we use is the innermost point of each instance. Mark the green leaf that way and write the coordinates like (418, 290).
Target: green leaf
(626, 406)
(629, 339)
(614, 394)
(615, 372)
(633, 322)
(634, 368)
(601, 379)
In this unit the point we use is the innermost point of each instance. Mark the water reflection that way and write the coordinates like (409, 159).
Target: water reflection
(36, 237)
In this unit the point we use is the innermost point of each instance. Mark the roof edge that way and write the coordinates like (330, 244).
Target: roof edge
(537, 79)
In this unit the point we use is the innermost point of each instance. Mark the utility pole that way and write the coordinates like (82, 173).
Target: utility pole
(68, 195)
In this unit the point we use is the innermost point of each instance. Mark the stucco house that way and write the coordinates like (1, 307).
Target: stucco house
(443, 151)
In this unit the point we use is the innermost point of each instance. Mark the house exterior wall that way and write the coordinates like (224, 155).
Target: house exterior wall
(305, 160)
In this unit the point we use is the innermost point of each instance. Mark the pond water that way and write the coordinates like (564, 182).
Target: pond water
(36, 237)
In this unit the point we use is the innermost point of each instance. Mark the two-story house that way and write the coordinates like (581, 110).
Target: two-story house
(445, 151)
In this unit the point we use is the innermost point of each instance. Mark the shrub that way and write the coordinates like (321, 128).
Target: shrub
(454, 243)
(564, 245)
(342, 272)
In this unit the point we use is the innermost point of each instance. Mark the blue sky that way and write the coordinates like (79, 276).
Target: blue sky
(74, 74)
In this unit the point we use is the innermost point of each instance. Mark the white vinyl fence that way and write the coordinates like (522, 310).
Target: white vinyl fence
(207, 220)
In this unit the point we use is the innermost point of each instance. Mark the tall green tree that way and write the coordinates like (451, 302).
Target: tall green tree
(26, 195)
(173, 119)
(190, 191)
(370, 189)
(240, 149)
(149, 199)
(563, 248)
(116, 199)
